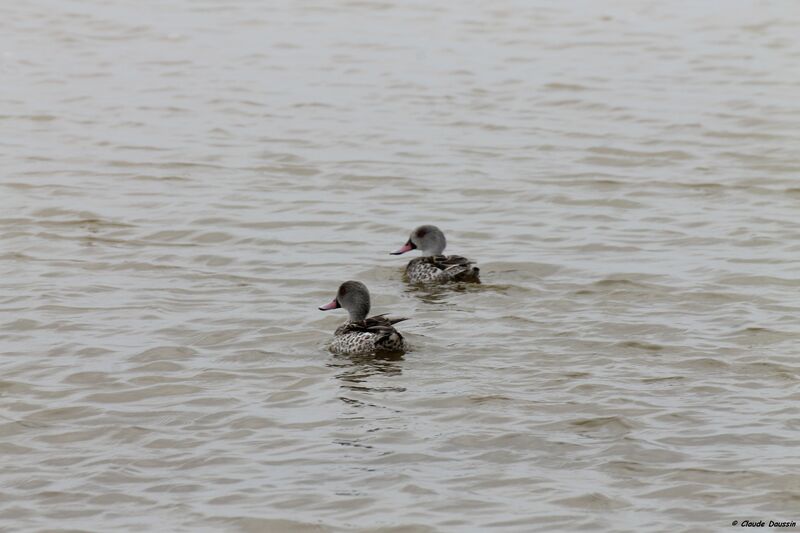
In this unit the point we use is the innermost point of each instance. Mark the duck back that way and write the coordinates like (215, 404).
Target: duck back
(375, 334)
(442, 268)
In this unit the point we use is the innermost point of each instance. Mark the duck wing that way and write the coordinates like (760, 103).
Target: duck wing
(446, 262)
(456, 267)
(381, 321)
(378, 324)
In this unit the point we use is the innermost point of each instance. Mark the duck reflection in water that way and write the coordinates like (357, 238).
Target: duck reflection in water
(441, 294)
(357, 372)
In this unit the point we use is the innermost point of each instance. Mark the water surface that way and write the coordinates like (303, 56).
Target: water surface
(184, 182)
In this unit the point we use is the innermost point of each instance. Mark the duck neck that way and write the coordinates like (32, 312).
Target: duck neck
(433, 252)
(359, 313)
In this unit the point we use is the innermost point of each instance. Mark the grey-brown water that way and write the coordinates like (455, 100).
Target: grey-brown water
(184, 182)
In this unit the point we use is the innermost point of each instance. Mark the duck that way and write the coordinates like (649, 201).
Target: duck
(361, 335)
(433, 266)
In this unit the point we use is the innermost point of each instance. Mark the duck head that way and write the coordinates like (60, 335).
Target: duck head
(353, 296)
(428, 239)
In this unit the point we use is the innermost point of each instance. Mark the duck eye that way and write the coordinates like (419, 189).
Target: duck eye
(421, 233)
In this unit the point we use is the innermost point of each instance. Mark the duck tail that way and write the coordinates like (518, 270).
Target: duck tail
(390, 340)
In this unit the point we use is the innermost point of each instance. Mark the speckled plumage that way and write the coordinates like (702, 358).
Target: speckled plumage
(361, 335)
(434, 266)
(375, 334)
(441, 269)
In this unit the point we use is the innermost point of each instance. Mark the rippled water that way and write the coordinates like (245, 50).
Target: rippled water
(184, 182)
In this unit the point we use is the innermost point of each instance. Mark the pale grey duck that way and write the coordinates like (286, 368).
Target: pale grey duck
(433, 266)
(361, 335)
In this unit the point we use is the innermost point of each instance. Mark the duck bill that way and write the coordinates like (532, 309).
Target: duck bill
(333, 305)
(407, 247)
